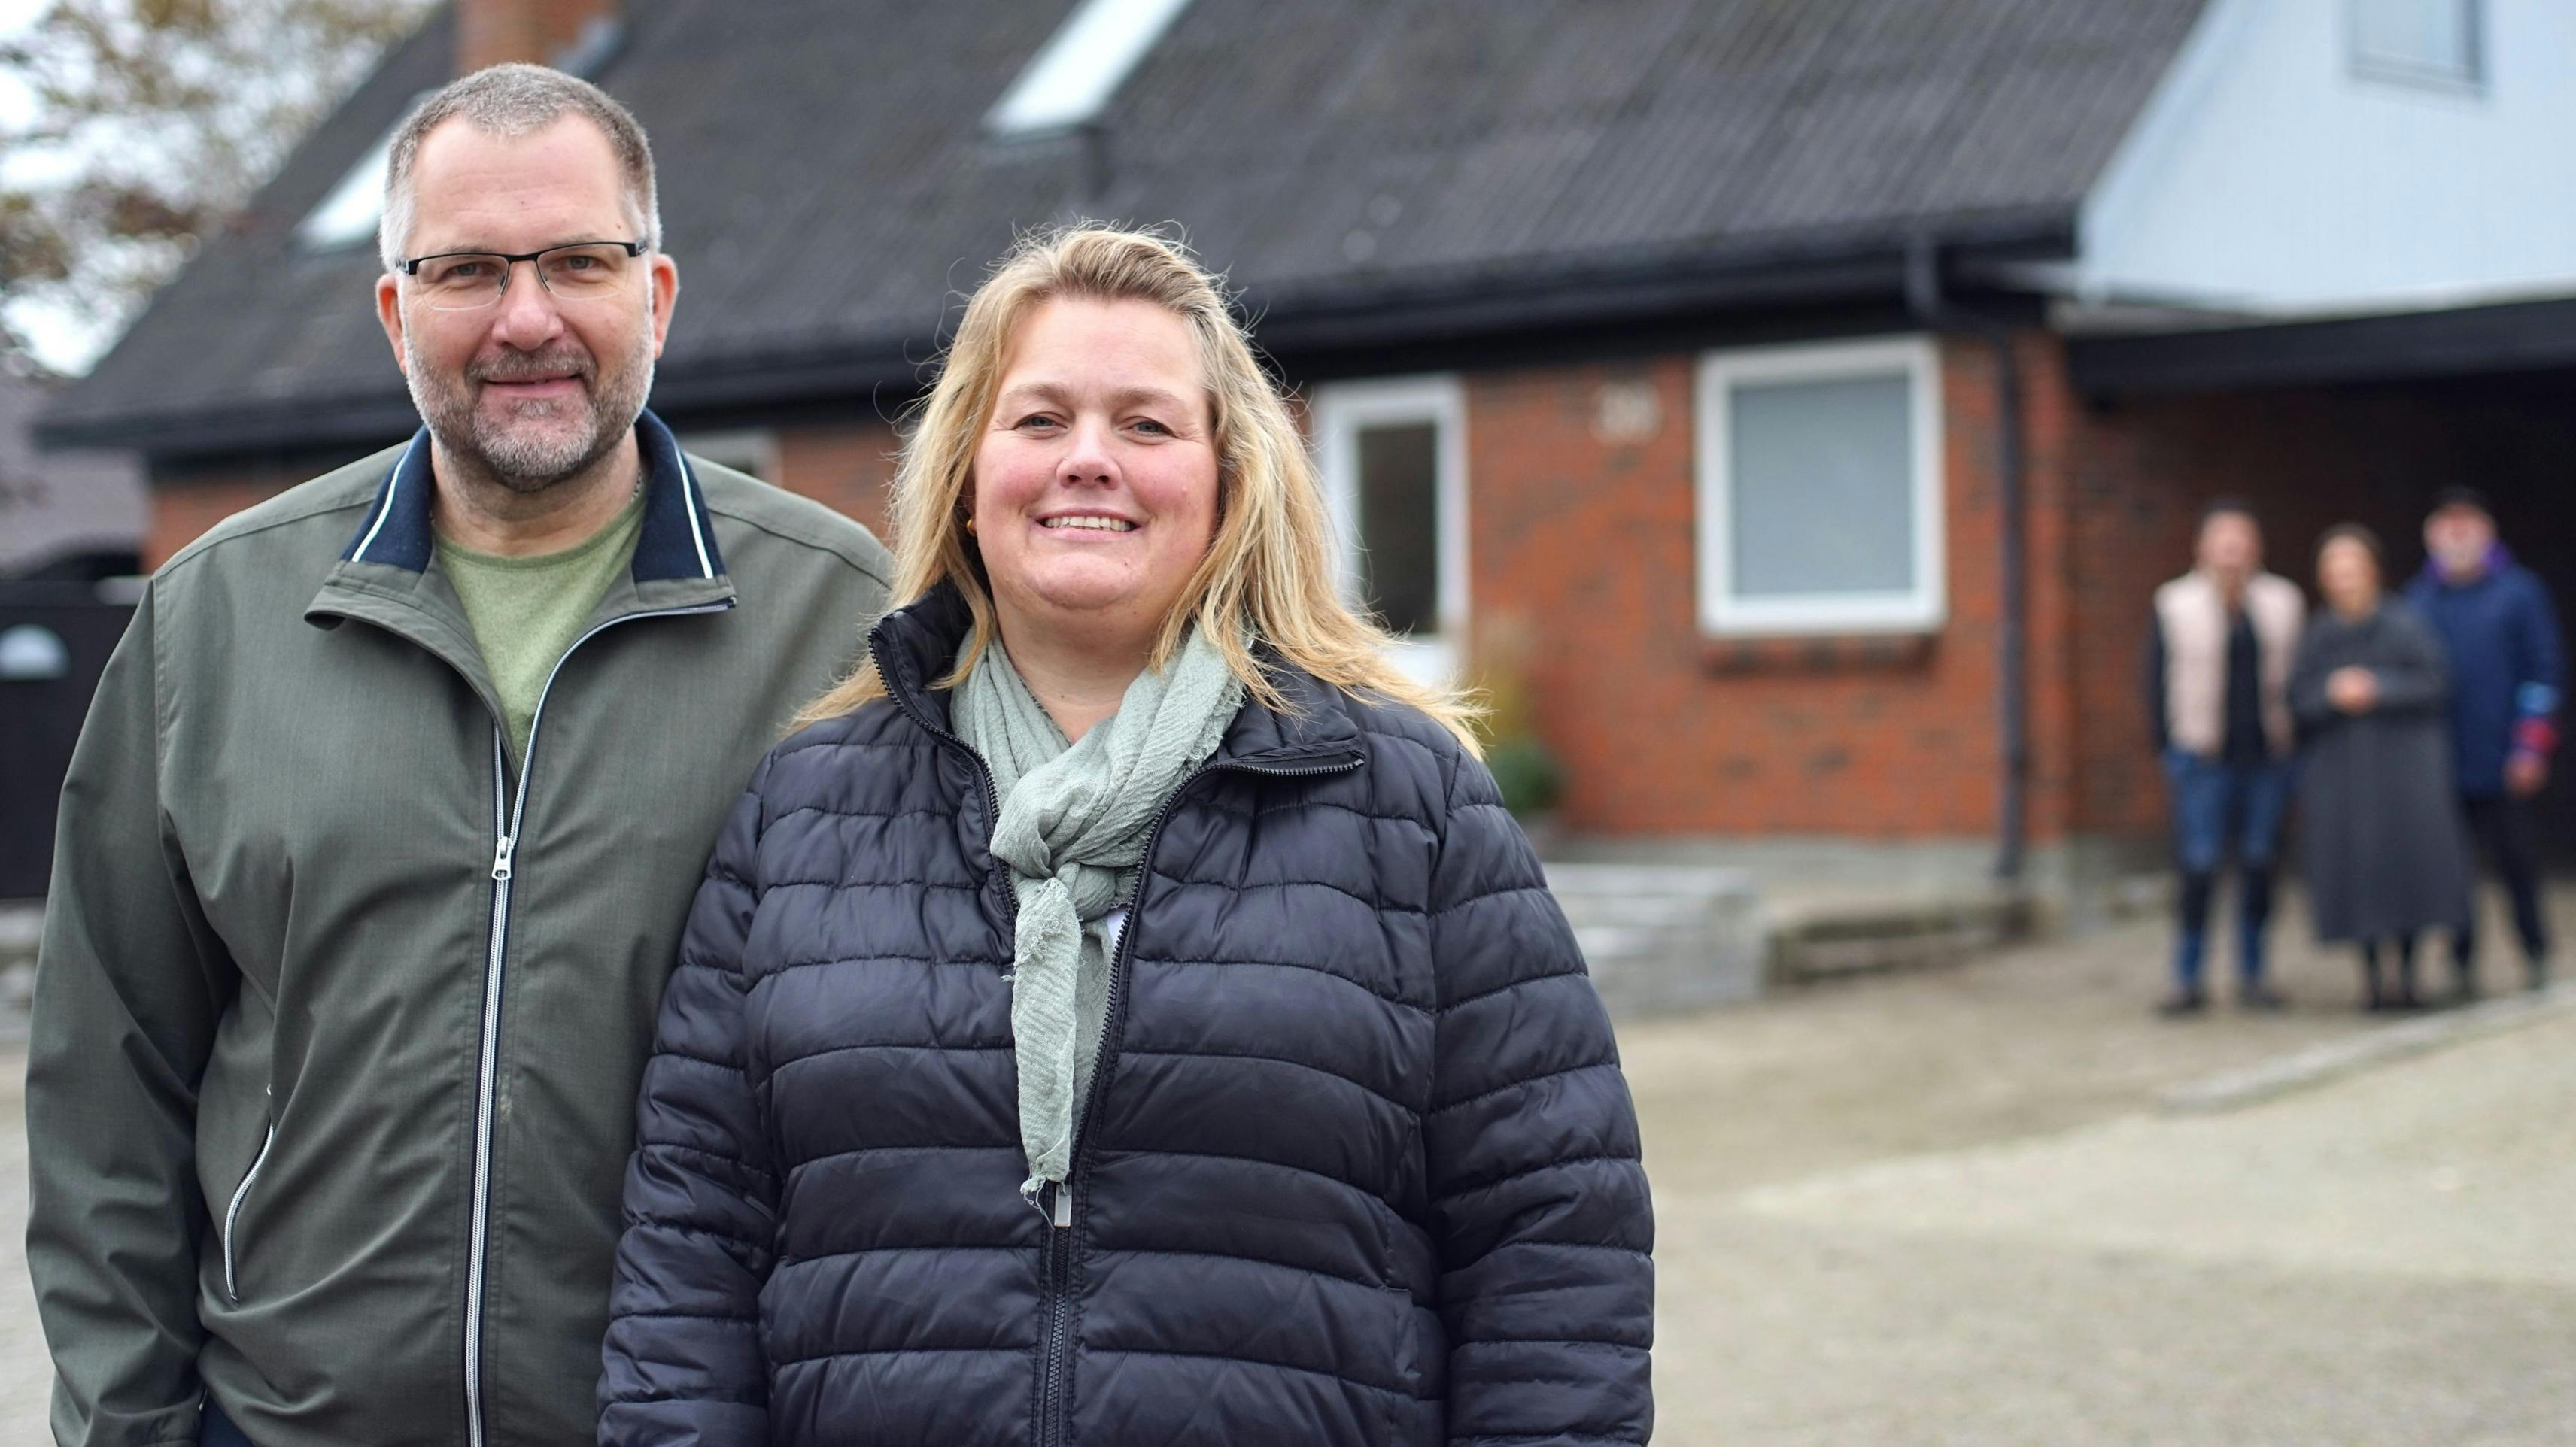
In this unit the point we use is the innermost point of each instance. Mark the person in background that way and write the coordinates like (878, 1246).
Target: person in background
(2218, 673)
(2495, 621)
(2385, 857)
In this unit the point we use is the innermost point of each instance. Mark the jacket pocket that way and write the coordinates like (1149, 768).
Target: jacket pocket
(233, 1210)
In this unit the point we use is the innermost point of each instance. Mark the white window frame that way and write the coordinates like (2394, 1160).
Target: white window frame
(1341, 410)
(749, 450)
(1920, 609)
(2469, 80)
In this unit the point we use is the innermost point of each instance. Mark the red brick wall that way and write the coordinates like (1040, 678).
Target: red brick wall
(848, 468)
(1588, 544)
(489, 32)
(187, 505)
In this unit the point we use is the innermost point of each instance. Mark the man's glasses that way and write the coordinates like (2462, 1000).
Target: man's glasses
(455, 281)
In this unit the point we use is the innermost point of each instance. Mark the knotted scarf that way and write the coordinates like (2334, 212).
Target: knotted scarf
(1072, 831)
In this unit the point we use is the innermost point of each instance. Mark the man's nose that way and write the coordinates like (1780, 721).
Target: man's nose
(527, 317)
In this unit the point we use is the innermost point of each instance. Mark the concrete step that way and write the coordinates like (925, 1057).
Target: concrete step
(1850, 938)
(1663, 938)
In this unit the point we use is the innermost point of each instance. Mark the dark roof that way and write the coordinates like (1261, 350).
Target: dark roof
(58, 503)
(1360, 167)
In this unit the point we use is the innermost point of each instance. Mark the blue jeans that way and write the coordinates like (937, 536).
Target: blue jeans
(2219, 810)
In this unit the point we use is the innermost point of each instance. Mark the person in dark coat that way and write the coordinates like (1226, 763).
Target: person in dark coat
(1125, 1013)
(2385, 856)
(2507, 669)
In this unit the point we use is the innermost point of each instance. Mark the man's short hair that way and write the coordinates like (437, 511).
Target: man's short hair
(2228, 507)
(2468, 497)
(516, 100)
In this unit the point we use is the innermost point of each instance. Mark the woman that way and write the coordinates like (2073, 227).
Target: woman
(1126, 1014)
(2382, 832)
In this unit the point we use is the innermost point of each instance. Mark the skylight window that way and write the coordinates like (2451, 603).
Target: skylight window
(1065, 85)
(348, 215)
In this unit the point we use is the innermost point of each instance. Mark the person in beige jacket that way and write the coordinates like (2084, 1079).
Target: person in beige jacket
(2219, 654)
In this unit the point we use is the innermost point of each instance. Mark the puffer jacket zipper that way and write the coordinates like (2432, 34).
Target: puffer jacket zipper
(1052, 1404)
(509, 820)
(1055, 1250)
(241, 1193)
(922, 720)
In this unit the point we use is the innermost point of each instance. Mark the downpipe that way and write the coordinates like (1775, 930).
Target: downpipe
(1932, 307)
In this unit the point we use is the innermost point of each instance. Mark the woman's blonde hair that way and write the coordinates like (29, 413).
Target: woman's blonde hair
(1269, 578)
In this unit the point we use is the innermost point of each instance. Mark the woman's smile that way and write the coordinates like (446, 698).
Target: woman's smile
(1088, 526)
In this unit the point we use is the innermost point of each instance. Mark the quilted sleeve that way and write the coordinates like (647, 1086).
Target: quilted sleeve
(683, 1361)
(1538, 1195)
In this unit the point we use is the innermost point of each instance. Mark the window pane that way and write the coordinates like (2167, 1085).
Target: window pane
(1823, 482)
(1399, 524)
(2434, 37)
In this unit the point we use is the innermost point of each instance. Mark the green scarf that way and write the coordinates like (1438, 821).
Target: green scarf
(1072, 829)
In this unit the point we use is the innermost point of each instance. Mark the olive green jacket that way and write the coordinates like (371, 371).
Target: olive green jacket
(338, 1022)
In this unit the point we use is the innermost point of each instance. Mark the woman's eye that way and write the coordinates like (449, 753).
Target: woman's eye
(1035, 419)
(1148, 424)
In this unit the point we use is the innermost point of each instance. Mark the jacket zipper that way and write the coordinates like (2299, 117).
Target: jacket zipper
(1059, 1239)
(241, 1193)
(1056, 1249)
(922, 719)
(509, 814)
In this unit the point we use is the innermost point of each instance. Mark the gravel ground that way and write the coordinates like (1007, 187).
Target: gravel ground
(1941, 1209)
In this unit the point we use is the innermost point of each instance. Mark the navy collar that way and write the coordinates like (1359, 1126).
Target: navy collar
(678, 538)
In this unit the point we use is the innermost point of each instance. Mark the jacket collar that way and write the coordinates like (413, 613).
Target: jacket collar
(385, 577)
(677, 542)
(2498, 560)
(913, 647)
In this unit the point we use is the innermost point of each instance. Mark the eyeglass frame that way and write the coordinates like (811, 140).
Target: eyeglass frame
(410, 266)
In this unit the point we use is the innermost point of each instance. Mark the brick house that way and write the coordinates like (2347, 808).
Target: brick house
(1817, 389)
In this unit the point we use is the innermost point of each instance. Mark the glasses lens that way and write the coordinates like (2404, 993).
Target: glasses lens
(461, 282)
(584, 271)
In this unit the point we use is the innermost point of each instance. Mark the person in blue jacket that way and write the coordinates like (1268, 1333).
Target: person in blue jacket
(2495, 620)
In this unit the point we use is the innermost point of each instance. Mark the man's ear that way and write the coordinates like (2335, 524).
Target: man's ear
(665, 276)
(389, 312)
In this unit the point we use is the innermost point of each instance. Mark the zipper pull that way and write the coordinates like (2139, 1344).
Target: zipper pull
(501, 859)
(1063, 1217)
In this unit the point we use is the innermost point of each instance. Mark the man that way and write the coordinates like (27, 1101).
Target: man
(377, 845)
(2495, 620)
(2218, 675)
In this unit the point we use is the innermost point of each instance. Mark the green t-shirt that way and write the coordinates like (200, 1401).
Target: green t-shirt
(527, 611)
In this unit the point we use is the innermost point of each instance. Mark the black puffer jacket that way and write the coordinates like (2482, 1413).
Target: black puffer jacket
(1359, 1166)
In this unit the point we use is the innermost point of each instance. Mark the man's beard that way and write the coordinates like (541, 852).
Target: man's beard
(522, 453)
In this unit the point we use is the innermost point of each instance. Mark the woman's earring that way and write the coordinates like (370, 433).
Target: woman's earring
(970, 527)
